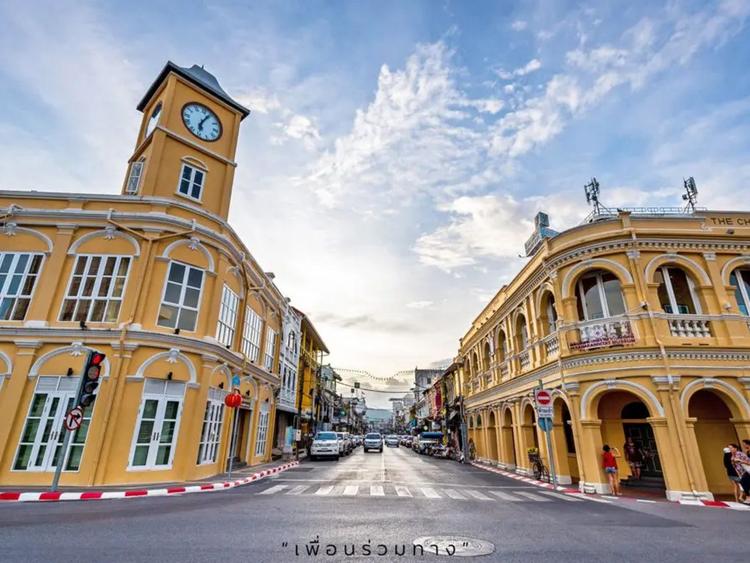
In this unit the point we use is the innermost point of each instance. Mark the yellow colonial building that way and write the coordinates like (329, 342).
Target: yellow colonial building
(638, 321)
(157, 280)
(310, 359)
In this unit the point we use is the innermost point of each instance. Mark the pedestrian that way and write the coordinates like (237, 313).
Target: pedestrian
(609, 463)
(634, 457)
(734, 477)
(741, 462)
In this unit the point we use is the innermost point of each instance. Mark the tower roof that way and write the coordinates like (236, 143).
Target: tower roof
(198, 76)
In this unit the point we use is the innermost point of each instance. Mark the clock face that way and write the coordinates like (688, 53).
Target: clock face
(153, 120)
(201, 121)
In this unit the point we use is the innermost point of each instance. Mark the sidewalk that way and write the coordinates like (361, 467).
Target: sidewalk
(214, 483)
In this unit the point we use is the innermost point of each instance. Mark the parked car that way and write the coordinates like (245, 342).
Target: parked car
(427, 440)
(391, 441)
(324, 444)
(373, 441)
(345, 445)
(406, 441)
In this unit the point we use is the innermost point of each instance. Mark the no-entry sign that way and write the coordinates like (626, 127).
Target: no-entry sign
(74, 419)
(543, 398)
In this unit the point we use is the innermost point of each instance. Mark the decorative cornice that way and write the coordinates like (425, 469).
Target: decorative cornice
(185, 344)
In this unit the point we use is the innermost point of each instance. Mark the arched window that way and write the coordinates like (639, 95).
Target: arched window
(677, 291)
(599, 296)
(486, 355)
(522, 333)
(548, 313)
(740, 279)
(502, 346)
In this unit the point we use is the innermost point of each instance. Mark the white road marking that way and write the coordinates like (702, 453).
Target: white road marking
(454, 494)
(273, 490)
(351, 490)
(403, 491)
(324, 490)
(477, 495)
(299, 489)
(504, 496)
(560, 496)
(377, 491)
(430, 493)
(736, 505)
(532, 496)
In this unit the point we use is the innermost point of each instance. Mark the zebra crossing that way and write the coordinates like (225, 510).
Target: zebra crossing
(418, 492)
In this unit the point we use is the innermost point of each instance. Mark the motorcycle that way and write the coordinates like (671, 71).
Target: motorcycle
(442, 452)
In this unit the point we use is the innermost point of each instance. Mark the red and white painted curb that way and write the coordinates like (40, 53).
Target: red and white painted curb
(608, 498)
(48, 496)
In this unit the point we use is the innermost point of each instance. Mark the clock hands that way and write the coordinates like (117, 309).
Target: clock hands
(202, 121)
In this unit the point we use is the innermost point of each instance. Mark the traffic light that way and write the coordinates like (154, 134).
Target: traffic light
(91, 374)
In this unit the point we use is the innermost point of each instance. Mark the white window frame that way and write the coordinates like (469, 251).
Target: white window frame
(134, 178)
(262, 431)
(162, 398)
(602, 295)
(192, 183)
(183, 286)
(251, 334)
(228, 311)
(670, 290)
(743, 290)
(213, 421)
(98, 278)
(5, 285)
(269, 349)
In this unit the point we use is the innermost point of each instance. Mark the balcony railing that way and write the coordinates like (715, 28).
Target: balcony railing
(601, 333)
(504, 369)
(689, 326)
(552, 345)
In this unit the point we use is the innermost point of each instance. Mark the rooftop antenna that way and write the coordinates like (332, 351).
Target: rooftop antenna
(592, 195)
(691, 194)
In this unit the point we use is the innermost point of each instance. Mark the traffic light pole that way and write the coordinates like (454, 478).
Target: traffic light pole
(66, 439)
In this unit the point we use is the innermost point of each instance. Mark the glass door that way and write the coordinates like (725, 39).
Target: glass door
(43, 433)
(157, 426)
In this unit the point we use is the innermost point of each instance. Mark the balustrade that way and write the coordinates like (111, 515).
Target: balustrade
(689, 326)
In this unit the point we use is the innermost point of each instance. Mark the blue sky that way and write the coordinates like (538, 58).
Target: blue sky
(397, 151)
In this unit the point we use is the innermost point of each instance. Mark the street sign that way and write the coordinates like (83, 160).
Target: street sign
(544, 412)
(543, 398)
(74, 419)
(235, 381)
(545, 424)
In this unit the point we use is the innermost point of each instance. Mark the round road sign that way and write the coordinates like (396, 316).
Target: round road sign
(543, 397)
(74, 419)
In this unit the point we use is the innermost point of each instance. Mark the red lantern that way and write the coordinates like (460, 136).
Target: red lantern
(233, 400)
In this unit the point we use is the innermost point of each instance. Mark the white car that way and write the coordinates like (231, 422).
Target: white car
(391, 441)
(325, 444)
(373, 441)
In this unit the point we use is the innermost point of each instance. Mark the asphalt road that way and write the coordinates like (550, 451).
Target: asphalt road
(384, 501)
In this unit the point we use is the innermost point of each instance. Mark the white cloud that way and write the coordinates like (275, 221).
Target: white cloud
(519, 25)
(420, 304)
(532, 66)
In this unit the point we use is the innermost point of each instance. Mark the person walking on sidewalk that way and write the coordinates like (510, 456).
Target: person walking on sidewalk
(734, 477)
(609, 463)
(741, 462)
(634, 457)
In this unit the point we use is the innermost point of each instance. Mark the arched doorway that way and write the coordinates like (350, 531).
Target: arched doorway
(528, 433)
(509, 441)
(492, 438)
(479, 437)
(713, 431)
(623, 416)
(564, 443)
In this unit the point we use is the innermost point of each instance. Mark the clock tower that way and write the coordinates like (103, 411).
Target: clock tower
(187, 141)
